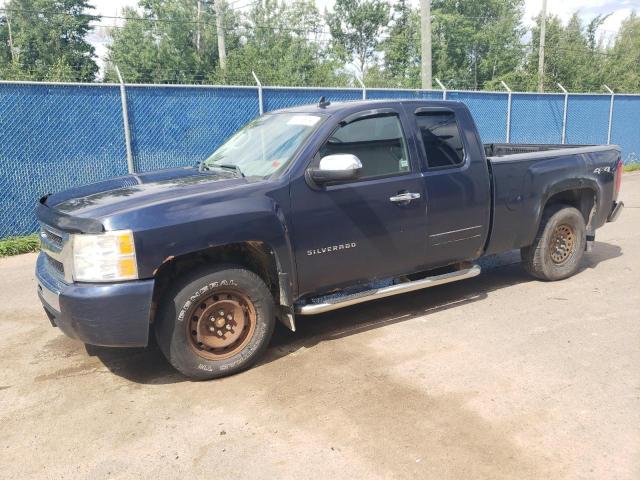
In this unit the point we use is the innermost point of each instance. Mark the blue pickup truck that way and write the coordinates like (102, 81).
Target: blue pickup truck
(306, 210)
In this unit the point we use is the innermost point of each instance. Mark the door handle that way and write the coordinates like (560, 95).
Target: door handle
(404, 197)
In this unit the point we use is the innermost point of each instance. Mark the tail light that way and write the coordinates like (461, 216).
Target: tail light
(618, 181)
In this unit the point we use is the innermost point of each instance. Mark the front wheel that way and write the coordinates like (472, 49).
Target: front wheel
(216, 322)
(559, 244)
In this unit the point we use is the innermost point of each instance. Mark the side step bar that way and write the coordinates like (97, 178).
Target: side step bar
(315, 308)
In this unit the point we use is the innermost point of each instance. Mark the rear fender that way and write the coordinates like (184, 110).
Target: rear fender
(565, 185)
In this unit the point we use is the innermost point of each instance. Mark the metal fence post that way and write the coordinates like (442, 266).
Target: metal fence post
(364, 89)
(564, 113)
(444, 89)
(260, 102)
(125, 122)
(508, 110)
(610, 114)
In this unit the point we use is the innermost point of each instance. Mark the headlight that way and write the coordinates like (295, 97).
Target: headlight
(105, 257)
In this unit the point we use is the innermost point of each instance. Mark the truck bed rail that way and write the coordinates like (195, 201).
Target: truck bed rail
(504, 149)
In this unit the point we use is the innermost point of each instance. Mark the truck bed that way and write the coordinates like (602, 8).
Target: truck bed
(524, 177)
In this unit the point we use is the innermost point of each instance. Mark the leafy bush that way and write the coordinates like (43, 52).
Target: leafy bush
(18, 245)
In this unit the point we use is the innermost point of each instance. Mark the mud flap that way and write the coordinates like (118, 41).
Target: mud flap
(286, 314)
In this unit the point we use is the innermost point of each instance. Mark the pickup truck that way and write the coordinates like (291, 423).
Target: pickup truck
(306, 210)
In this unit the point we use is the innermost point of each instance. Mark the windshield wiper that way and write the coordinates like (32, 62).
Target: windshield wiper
(230, 166)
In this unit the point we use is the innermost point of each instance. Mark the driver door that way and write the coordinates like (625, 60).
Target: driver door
(365, 229)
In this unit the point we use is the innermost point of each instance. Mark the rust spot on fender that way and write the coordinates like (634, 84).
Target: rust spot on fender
(168, 259)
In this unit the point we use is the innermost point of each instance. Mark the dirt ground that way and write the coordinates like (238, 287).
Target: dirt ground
(496, 377)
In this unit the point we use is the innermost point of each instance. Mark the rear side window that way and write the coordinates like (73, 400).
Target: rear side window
(441, 139)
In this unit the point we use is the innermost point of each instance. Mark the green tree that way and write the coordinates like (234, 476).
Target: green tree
(282, 43)
(356, 27)
(46, 40)
(574, 57)
(160, 44)
(401, 49)
(476, 43)
(623, 64)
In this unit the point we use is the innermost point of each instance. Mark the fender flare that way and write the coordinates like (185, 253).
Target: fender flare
(566, 185)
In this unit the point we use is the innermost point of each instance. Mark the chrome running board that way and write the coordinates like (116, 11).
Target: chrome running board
(334, 304)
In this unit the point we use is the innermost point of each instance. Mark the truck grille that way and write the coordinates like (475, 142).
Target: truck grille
(55, 239)
(53, 244)
(56, 267)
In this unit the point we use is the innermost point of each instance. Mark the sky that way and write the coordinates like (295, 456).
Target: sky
(619, 10)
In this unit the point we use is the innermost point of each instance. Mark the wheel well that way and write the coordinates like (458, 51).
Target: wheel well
(255, 256)
(582, 199)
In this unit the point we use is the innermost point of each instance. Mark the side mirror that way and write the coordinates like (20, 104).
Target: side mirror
(336, 168)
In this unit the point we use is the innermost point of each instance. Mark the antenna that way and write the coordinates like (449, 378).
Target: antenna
(323, 103)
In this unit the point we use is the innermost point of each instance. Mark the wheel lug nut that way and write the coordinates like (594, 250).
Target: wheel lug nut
(228, 327)
(229, 317)
(221, 313)
(220, 333)
(212, 329)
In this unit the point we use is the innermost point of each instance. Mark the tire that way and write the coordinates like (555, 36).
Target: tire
(215, 322)
(559, 245)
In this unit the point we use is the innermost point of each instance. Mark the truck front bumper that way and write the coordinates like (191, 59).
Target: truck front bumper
(616, 209)
(106, 314)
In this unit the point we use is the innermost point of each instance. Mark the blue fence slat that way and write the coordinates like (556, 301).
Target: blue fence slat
(178, 126)
(489, 111)
(588, 119)
(381, 94)
(54, 137)
(276, 98)
(626, 126)
(536, 118)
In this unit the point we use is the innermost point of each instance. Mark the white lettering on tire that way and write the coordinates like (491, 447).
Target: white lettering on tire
(200, 292)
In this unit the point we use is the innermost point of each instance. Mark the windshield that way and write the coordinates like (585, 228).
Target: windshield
(264, 145)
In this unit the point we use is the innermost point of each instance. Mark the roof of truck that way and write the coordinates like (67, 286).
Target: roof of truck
(357, 105)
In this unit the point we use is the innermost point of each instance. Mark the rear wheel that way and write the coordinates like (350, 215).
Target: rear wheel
(216, 322)
(559, 244)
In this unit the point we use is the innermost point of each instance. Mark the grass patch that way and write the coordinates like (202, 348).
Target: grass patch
(632, 167)
(18, 245)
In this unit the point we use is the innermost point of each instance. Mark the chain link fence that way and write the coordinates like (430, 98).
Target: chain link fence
(57, 136)
(537, 118)
(175, 126)
(625, 126)
(588, 118)
(53, 138)
(489, 110)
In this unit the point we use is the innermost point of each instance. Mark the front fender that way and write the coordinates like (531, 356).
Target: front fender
(166, 231)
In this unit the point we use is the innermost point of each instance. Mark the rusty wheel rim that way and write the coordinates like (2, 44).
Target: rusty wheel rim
(221, 324)
(563, 243)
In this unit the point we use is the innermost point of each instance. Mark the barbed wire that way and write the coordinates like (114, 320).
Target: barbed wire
(244, 77)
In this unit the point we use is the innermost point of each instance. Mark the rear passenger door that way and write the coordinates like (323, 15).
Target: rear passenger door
(369, 228)
(456, 184)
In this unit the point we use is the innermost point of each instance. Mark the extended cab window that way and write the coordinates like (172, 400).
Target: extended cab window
(377, 141)
(441, 139)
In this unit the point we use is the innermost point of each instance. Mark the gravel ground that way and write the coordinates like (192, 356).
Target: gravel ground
(496, 377)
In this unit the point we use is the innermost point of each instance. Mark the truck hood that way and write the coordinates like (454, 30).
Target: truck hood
(108, 197)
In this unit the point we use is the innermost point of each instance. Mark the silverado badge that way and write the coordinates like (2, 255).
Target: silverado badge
(331, 248)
